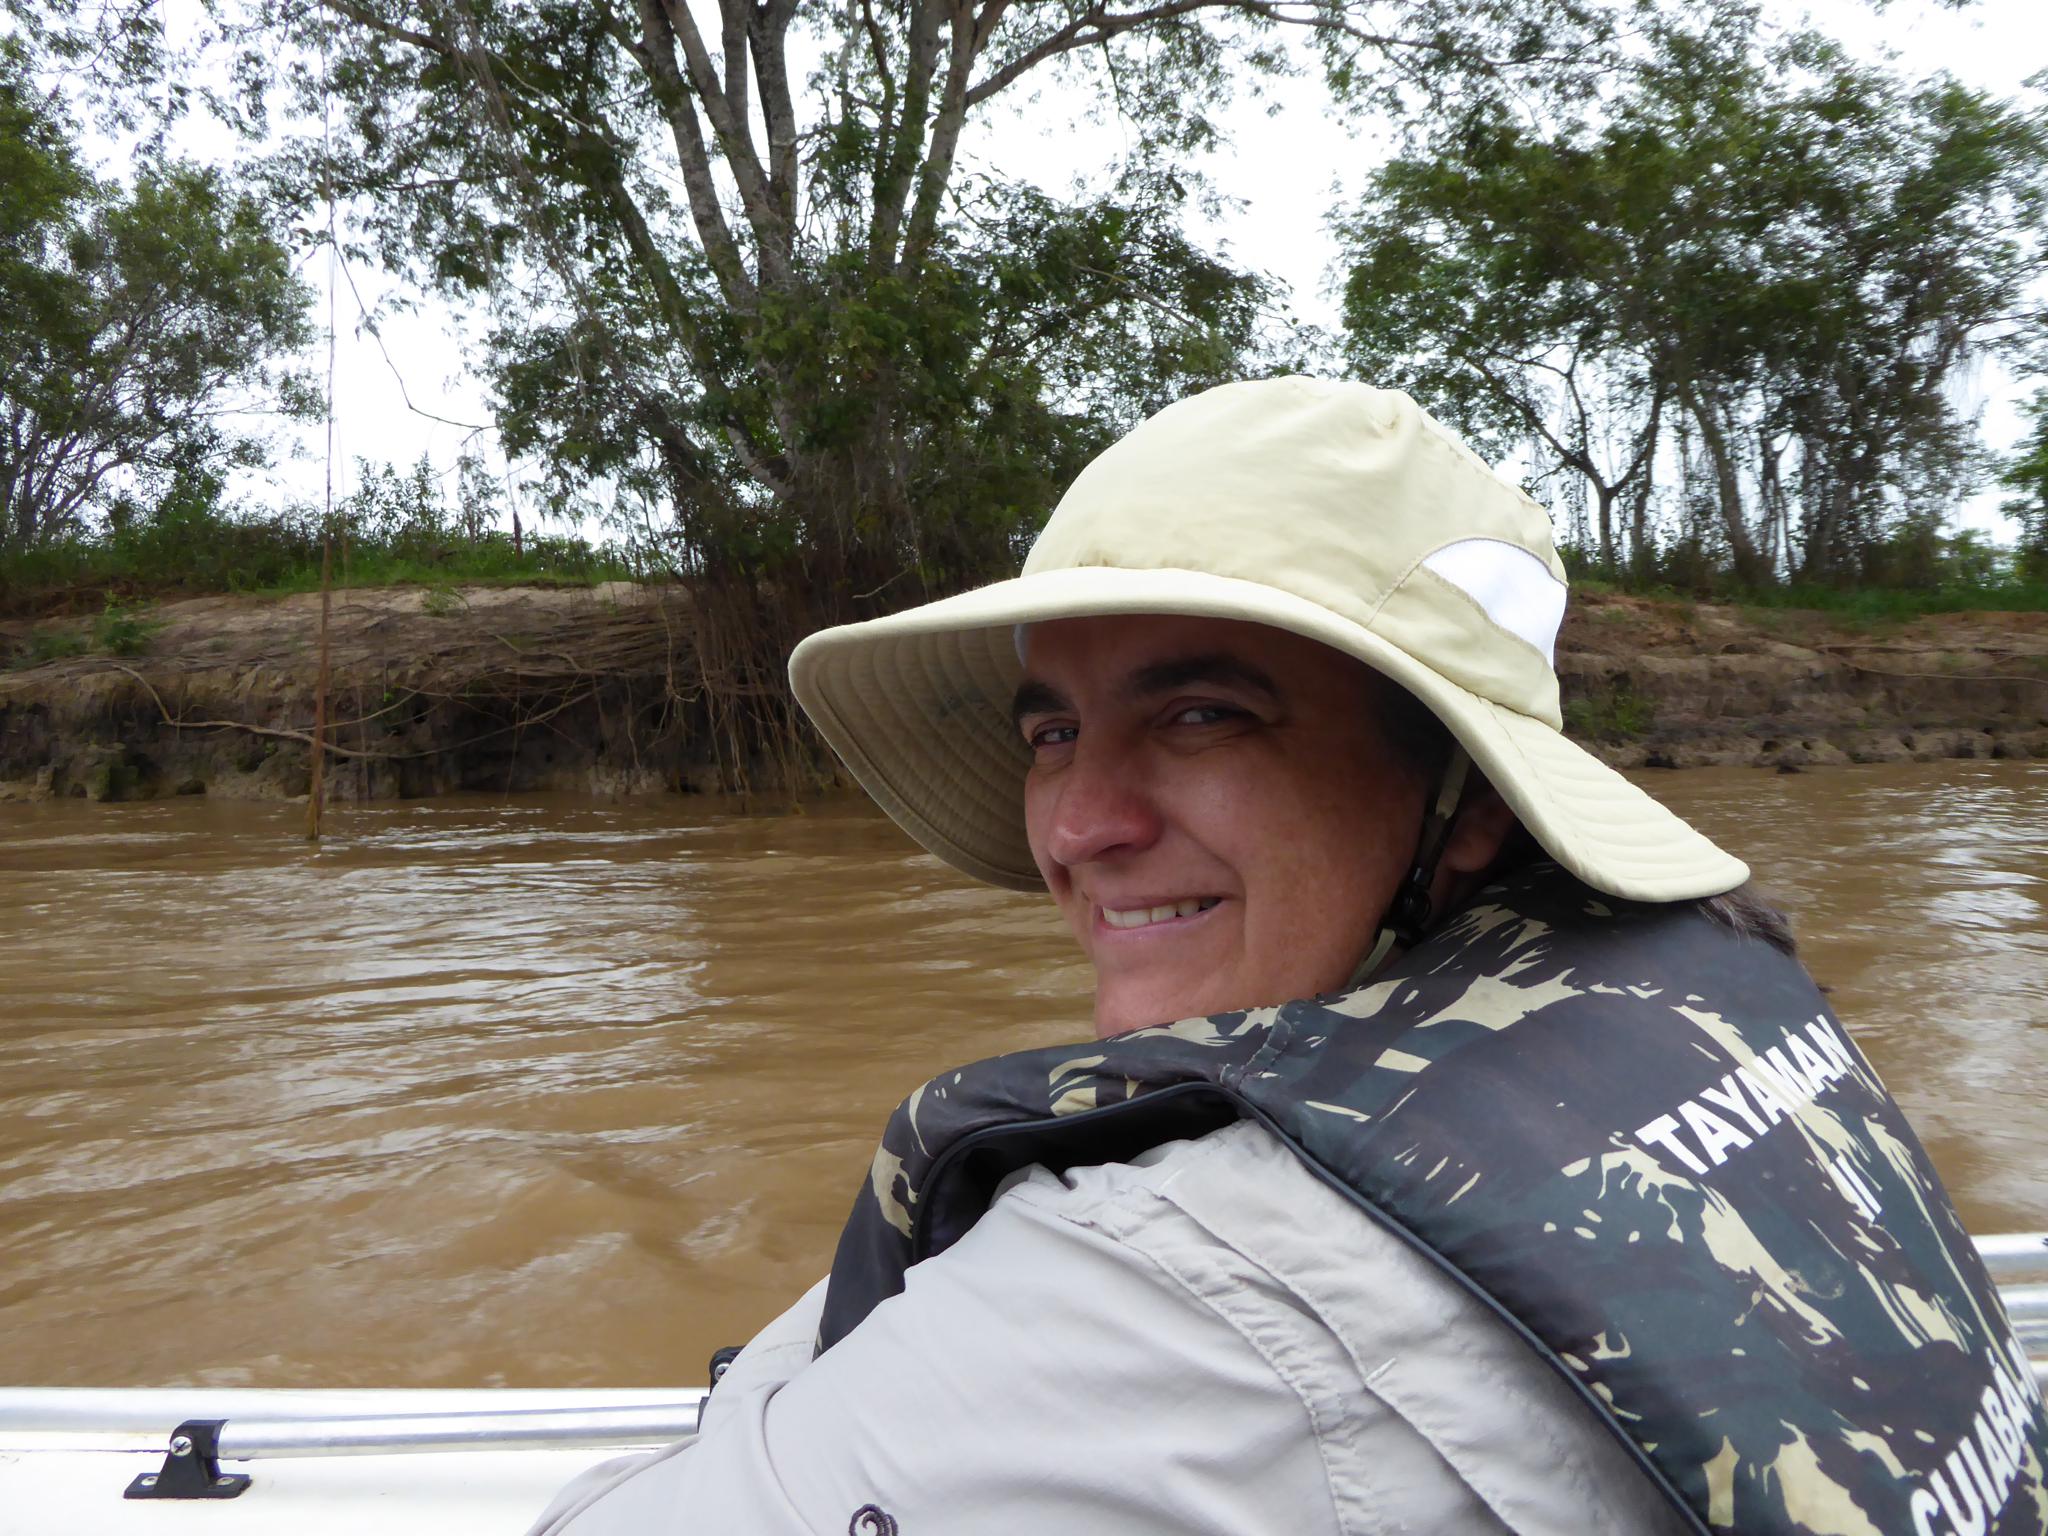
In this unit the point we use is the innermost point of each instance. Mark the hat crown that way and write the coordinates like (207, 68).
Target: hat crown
(1349, 497)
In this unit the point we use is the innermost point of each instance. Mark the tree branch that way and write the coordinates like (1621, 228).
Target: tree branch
(1097, 24)
(732, 41)
(893, 184)
(735, 142)
(768, 33)
(655, 51)
(937, 172)
(362, 16)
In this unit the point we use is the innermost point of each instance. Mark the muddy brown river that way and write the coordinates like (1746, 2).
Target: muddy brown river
(557, 1092)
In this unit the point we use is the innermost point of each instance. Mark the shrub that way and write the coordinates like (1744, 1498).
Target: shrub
(1618, 714)
(50, 642)
(121, 631)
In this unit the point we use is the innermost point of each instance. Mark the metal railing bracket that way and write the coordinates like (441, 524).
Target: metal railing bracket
(191, 1468)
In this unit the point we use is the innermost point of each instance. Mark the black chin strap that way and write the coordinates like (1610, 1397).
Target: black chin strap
(1409, 913)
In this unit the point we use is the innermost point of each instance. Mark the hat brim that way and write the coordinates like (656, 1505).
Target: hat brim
(917, 705)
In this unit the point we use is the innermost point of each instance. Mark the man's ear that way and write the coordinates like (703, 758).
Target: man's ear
(1479, 830)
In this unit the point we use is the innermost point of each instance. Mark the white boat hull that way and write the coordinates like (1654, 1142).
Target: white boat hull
(68, 1456)
(489, 1460)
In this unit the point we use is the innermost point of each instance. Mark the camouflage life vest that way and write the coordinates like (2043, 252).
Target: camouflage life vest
(1642, 1140)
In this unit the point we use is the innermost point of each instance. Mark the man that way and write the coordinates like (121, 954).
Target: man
(1501, 1174)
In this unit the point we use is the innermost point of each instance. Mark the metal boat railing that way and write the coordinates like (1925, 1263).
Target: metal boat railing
(2018, 1262)
(256, 1424)
(2014, 1256)
(502, 1429)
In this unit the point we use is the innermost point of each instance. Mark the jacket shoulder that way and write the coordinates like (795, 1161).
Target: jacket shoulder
(1396, 1365)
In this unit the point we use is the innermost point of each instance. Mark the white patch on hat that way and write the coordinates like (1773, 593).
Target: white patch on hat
(1515, 587)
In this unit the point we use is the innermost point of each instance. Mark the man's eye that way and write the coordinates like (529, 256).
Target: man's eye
(1050, 736)
(1205, 714)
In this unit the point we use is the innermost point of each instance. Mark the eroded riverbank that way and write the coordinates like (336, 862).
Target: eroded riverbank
(593, 690)
(604, 691)
(1668, 684)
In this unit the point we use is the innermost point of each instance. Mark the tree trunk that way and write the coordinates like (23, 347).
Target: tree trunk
(1749, 567)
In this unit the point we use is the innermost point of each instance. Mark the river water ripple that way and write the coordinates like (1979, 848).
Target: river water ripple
(557, 1092)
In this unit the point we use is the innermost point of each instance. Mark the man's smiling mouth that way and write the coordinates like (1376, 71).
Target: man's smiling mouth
(1144, 917)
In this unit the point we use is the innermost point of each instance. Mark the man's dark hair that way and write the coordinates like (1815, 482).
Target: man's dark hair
(1748, 914)
(1424, 743)
(1417, 735)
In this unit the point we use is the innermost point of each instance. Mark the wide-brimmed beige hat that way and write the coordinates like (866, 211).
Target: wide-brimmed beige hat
(1334, 510)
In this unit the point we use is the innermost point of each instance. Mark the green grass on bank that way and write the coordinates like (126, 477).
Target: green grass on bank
(1616, 713)
(120, 629)
(400, 533)
(1891, 604)
(219, 554)
(1852, 605)
(1916, 569)
(545, 561)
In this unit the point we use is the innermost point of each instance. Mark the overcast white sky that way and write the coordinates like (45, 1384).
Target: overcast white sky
(1287, 163)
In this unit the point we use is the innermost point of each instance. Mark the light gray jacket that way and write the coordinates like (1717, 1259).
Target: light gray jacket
(1206, 1341)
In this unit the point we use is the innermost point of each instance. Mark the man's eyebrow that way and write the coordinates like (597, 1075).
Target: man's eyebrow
(1189, 671)
(1035, 698)
(1216, 669)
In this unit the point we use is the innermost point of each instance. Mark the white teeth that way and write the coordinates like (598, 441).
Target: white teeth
(1141, 917)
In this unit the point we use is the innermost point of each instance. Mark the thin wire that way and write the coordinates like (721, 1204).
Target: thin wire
(369, 323)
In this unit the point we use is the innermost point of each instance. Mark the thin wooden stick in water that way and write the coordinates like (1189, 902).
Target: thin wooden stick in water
(315, 784)
(315, 787)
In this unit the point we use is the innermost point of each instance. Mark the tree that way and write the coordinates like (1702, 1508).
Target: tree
(2026, 476)
(739, 265)
(136, 325)
(1761, 271)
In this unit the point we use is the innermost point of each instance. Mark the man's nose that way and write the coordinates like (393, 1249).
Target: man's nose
(1104, 805)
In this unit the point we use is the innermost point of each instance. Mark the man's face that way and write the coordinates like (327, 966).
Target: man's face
(1214, 808)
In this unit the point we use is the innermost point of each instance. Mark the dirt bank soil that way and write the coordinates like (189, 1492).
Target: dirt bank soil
(431, 690)
(601, 691)
(1665, 684)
